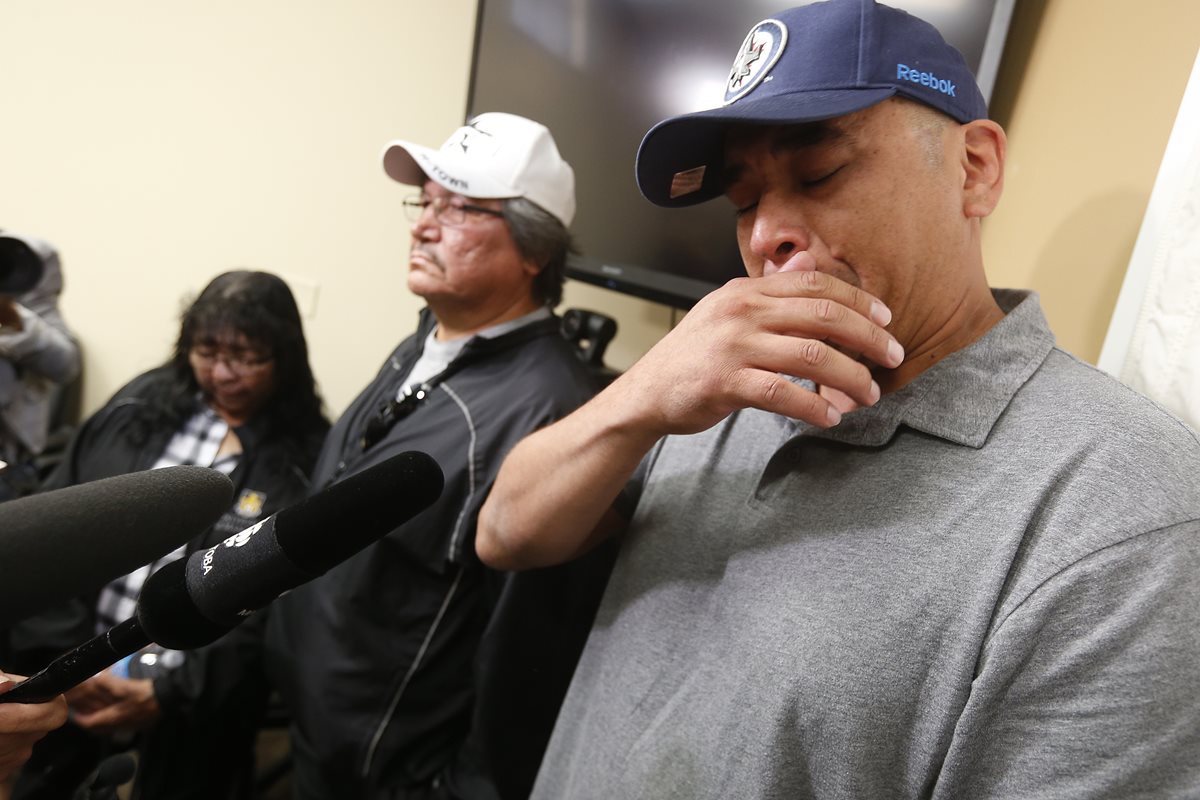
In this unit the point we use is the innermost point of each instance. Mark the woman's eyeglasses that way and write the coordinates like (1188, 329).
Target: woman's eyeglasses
(392, 412)
(239, 362)
(446, 210)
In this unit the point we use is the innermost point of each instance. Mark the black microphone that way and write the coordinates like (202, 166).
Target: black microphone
(192, 602)
(116, 770)
(67, 542)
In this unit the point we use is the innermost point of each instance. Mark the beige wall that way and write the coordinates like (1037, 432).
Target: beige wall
(1088, 93)
(157, 146)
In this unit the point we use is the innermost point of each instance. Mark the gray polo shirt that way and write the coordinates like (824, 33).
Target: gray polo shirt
(987, 585)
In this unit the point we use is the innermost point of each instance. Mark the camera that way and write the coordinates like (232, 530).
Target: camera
(20, 265)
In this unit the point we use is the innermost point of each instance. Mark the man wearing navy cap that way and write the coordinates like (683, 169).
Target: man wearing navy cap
(880, 537)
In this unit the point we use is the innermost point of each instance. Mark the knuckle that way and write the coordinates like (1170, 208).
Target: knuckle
(812, 352)
(730, 302)
(811, 280)
(856, 297)
(827, 311)
(773, 390)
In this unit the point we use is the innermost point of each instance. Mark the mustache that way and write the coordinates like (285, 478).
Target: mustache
(428, 254)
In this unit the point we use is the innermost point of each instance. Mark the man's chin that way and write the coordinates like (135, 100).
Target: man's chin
(418, 279)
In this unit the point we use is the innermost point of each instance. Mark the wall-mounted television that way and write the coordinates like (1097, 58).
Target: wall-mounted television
(600, 73)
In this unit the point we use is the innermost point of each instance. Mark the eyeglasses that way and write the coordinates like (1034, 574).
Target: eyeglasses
(445, 210)
(240, 362)
(392, 412)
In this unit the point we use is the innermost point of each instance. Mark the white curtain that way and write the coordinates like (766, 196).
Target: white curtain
(1153, 341)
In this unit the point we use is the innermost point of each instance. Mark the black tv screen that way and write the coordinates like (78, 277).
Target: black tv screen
(600, 73)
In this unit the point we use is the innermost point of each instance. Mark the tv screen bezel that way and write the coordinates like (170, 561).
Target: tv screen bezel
(679, 291)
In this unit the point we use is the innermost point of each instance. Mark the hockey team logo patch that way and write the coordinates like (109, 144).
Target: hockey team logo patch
(250, 503)
(762, 48)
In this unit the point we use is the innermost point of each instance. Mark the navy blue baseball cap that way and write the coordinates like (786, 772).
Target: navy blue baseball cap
(806, 64)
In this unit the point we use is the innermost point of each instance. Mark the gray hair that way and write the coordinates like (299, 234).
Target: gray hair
(543, 239)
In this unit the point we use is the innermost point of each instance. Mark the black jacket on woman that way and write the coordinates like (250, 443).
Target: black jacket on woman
(211, 704)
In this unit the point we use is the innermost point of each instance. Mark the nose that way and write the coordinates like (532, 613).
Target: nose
(426, 226)
(779, 233)
(221, 371)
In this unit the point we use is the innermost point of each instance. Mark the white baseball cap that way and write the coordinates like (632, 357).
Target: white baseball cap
(495, 155)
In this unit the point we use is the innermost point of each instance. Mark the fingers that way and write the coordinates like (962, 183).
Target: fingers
(136, 708)
(15, 750)
(93, 693)
(99, 721)
(111, 719)
(739, 345)
(781, 396)
(817, 361)
(21, 726)
(813, 305)
(35, 718)
(810, 283)
(810, 325)
(824, 319)
(840, 400)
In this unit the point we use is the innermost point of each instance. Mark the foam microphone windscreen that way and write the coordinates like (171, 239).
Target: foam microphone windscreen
(72, 541)
(189, 605)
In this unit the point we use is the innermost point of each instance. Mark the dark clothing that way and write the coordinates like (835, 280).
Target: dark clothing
(211, 703)
(383, 698)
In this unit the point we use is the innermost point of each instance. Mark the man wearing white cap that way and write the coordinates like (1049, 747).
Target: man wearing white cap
(377, 659)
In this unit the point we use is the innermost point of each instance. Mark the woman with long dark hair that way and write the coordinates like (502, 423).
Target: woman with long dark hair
(238, 396)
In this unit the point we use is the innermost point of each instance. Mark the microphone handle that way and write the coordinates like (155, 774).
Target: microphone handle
(75, 667)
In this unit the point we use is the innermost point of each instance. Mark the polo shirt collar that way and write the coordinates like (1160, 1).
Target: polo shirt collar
(961, 397)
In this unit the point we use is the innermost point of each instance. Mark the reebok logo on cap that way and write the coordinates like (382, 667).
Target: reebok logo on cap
(907, 73)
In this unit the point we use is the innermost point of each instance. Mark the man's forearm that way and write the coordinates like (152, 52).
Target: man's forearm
(552, 498)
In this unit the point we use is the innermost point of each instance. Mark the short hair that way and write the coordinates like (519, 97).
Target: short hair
(543, 239)
(930, 123)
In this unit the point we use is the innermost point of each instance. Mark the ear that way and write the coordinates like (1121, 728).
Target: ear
(983, 166)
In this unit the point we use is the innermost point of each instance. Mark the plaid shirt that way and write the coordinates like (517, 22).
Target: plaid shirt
(196, 444)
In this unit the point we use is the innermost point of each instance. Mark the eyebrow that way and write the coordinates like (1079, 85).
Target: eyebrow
(793, 138)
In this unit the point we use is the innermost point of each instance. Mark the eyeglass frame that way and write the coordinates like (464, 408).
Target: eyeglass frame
(239, 365)
(415, 205)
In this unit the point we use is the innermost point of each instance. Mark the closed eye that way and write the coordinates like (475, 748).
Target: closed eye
(814, 182)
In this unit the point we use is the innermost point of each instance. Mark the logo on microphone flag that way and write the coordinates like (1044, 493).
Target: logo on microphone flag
(240, 539)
